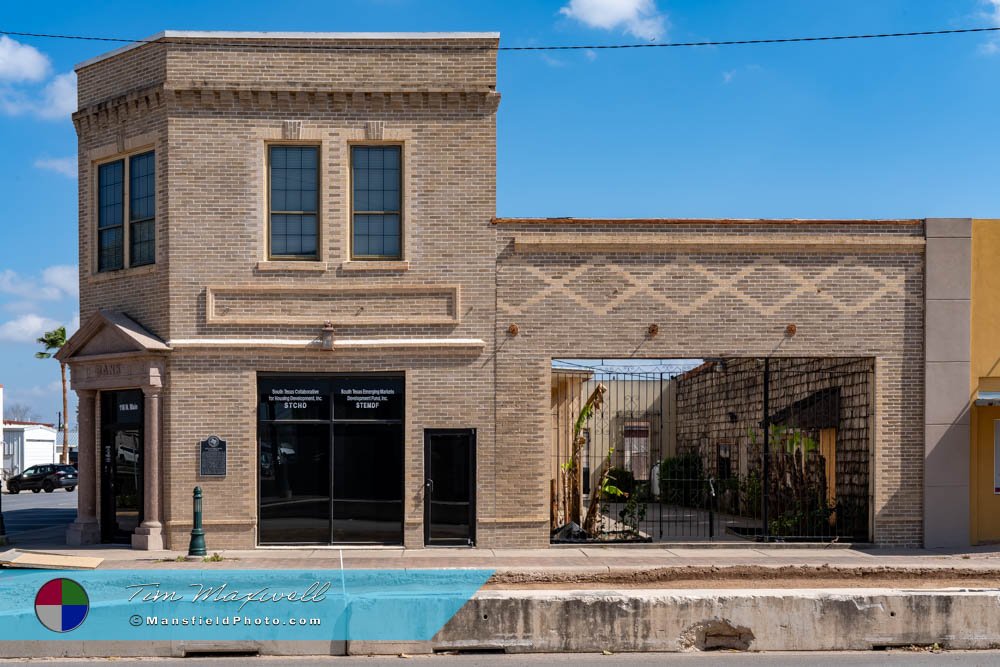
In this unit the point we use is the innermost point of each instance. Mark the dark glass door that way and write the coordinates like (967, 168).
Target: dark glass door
(121, 465)
(449, 486)
(367, 483)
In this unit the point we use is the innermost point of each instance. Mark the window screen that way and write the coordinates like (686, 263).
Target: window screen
(294, 180)
(376, 177)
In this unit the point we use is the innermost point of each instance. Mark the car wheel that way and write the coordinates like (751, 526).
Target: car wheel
(48, 487)
(35, 490)
(13, 488)
(70, 488)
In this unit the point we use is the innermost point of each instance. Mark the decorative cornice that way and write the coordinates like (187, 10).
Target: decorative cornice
(118, 109)
(193, 95)
(206, 95)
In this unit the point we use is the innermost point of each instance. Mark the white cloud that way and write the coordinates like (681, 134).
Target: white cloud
(22, 70)
(61, 165)
(727, 77)
(990, 13)
(591, 55)
(640, 18)
(56, 282)
(26, 328)
(21, 62)
(13, 283)
(63, 277)
(58, 97)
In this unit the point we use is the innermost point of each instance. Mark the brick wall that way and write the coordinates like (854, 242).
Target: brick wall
(211, 112)
(600, 305)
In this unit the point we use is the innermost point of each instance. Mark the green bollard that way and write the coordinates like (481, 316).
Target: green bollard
(197, 546)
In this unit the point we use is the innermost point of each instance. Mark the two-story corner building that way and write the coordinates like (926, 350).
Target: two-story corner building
(290, 235)
(296, 295)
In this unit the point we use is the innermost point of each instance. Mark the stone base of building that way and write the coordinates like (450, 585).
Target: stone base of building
(148, 538)
(81, 533)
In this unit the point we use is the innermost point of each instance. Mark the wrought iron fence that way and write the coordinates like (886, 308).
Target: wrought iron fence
(774, 449)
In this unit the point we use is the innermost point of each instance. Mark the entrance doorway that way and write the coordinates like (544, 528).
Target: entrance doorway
(449, 486)
(121, 464)
(330, 459)
(986, 479)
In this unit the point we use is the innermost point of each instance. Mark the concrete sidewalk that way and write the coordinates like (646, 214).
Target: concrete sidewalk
(636, 598)
(579, 559)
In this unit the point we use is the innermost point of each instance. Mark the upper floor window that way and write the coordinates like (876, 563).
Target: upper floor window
(120, 198)
(293, 218)
(142, 209)
(376, 202)
(110, 207)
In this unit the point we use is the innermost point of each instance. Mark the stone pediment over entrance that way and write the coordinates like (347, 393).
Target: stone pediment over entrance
(112, 350)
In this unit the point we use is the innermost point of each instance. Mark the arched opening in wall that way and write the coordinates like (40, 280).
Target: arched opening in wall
(714, 449)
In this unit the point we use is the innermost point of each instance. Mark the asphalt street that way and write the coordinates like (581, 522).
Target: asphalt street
(844, 659)
(27, 512)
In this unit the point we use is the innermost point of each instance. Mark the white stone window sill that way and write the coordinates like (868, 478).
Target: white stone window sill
(304, 265)
(375, 265)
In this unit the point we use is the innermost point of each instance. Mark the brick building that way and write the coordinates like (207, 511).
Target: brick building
(289, 242)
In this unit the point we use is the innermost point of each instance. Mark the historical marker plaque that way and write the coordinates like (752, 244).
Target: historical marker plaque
(213, 457)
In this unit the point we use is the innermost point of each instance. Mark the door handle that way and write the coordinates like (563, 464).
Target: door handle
(429, 485)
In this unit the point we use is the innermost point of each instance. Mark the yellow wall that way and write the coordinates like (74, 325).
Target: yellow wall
(985, 376)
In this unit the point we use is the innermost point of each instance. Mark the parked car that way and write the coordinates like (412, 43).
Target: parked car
(128, 454)
(45, 478)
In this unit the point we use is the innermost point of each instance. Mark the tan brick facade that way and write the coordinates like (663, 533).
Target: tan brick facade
(210, 106)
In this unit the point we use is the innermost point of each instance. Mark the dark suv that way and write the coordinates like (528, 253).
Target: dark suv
(45, 478)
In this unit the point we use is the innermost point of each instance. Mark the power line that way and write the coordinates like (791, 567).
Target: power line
(469, 47)
(739, 42)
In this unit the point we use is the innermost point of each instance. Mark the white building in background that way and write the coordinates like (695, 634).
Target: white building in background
(25, 444)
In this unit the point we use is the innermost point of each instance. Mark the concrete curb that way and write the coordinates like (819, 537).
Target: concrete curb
(550, 621)
(755, 620)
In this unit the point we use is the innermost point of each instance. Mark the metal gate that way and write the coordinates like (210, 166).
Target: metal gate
(759, 449)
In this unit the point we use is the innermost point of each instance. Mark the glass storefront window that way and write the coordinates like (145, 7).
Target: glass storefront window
(368, 483)
(330, 476)
(295, 483)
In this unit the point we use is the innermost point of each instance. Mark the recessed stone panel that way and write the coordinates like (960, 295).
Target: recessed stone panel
(340, 305)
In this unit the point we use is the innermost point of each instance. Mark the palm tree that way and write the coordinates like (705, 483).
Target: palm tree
(53, 340)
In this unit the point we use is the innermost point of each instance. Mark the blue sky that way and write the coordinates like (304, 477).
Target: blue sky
(887, 128)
